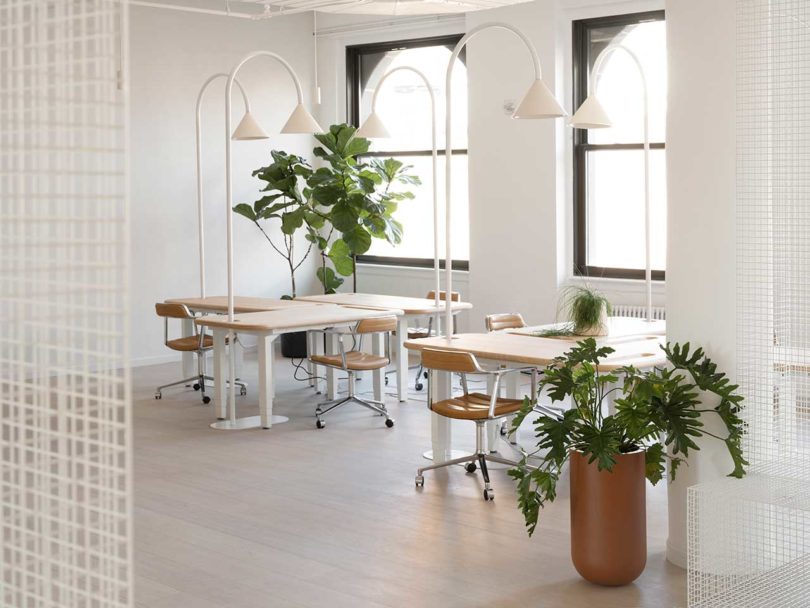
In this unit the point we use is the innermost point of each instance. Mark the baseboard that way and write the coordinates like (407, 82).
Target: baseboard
(676, 555)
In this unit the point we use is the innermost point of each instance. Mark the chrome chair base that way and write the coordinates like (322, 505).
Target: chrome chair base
(328, 406)
(199, 385)
(473, 461)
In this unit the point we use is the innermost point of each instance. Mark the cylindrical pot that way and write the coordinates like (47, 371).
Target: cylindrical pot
(294, 345)
(602, 327)
(609, 519)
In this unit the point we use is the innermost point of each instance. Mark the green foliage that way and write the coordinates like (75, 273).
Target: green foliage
(358, 198)
(285, 202)
(583, 306)
(649, 404)
(341, 206)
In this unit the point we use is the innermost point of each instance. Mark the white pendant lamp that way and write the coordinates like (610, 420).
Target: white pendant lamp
(301, 122)
(374, 127)
(248, 129)
(538, 102)
(591, 115)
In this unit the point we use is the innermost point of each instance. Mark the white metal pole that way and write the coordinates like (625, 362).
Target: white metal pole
(434, 168)
(647, 203)
(448, 157)
(229, 198)
(198, 133)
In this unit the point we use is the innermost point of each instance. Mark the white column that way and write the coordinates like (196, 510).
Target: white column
(402, 359)
(189, 365)
(331, 372)
(378, 376)
(266, 385)
(440, 430)
(701, 260)
(220, 365)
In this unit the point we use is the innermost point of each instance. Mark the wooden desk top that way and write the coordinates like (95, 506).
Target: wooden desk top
(240, 303)
(294, 318)
(642, 352)
(619, 327)
(408, 306)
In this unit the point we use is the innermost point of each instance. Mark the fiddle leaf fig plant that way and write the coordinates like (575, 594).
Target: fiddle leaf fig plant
(358, 198)
(283, 202)
(661, 402)
(341, 206)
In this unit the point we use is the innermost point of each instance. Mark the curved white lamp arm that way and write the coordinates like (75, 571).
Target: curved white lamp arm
(435, 167)
(595, 73)
(198, 133)
(448, 264)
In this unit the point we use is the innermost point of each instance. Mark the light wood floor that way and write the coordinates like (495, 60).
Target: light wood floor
(297, 516)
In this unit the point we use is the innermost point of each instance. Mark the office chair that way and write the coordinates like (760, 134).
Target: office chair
(354, 361)
(415, 333)
(199, 343)
(505, 320)
(477, 407)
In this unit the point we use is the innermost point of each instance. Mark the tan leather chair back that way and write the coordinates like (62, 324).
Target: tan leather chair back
(449, 361)
(455, 296)
(173, 311)
(508, 320)
(380, 324)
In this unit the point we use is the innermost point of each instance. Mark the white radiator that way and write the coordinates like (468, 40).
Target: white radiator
(659, 313)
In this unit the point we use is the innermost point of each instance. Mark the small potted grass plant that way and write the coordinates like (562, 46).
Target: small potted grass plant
(657, 418)
(587, 310)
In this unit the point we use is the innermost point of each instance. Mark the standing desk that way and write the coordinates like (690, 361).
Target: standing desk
(504, 347)
(267, 326)
(406, 307)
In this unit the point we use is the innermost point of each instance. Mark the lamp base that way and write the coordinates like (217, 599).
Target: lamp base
(248, 422)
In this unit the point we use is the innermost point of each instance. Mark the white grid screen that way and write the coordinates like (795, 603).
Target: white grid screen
(749, 540)
(65, 460)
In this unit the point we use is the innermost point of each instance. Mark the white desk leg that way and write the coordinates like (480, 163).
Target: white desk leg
(440, 430)
(189, 367)
(266, 388)
(311, 367)
(238, 352)
(378, 375)
(331, 372)
(220, 367)
(402, 359)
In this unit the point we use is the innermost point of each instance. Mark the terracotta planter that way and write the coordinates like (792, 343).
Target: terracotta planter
(609, 519)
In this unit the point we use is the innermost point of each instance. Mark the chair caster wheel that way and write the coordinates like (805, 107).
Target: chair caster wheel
(425, 374)
(242, 391)
(471, 467)
(420, 481)
(419, 386)
(206, 400)
(196, 386)
(320, 424)
(504, 430)
(158, 396)
(389, 422)
(489, 495)
(386, 381)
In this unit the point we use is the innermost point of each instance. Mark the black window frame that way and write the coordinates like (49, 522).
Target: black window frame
(581, 70)
(353, 95)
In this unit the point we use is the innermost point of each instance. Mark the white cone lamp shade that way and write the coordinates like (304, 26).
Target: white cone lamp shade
(301, 121)
(248, 129)
(591, 115)
(373, 128)
(539, 102)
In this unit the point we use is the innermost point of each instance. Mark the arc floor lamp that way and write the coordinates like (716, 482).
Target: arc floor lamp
(299, 122)
(591, 115)
(248, 129)
(538, 102)
(374, 128)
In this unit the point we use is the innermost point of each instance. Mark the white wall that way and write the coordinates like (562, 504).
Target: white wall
(172, 54)
(521, 246)
(701, 267)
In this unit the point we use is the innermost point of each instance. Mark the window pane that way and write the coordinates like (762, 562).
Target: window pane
(615, 222)
(417, 215)
(619, 85)
(404, 102)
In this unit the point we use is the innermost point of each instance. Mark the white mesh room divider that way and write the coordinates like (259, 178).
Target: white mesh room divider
(749, 540)
(65, 461)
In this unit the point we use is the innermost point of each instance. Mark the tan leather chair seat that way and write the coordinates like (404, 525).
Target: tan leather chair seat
(191, 343)
(355, 360)
(414, 333)
(475, 406)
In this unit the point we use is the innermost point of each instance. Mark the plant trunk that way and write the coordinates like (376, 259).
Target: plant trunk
(354, 274)
(609, 519)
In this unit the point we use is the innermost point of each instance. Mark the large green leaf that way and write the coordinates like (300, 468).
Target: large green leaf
(292, 221)
(245, 210)
(654, 462)
(341, 257)
(344, 217)
(358, 240)
(328, 279)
